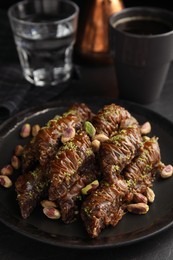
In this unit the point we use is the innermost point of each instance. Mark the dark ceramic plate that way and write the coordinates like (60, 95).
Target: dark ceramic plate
(131, 228)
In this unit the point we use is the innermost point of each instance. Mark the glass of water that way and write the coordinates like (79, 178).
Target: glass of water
(44, 33)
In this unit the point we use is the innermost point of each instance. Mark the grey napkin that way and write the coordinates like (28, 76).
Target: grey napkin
(13, 89)
(17, 94)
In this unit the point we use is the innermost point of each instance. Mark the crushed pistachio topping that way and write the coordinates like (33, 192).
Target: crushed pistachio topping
(107, 184)
(117, 138)
(69, 146)
(87, 211)
(55, 120)
(88, 152)
(130, 183)
(70, 112)
(116, 168)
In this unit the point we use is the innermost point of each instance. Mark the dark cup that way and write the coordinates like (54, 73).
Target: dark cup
(141, 40)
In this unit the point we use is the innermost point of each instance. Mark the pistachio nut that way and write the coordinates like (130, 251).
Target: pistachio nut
(15, 162)
(145, 128)
(52, 213)
(48, 204)
(90, 187)
(95, 145)
(35, 129)
(167, 171)
(7, 170)
(138, 208)
(18, 150)
(25, 131)
(89, 128)
(150, 195)
(5, 181)
(100, 137)
(68, 134)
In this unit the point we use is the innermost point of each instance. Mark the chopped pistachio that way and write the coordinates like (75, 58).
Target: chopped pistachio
(90, 187)
(89, 128)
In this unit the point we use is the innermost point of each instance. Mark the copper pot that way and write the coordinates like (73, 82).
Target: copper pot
(93, 34)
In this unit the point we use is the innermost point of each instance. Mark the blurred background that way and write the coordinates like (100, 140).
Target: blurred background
(92, 44)
(127, 3)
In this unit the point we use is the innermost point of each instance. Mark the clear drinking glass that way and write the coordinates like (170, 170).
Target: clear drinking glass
(44, 33)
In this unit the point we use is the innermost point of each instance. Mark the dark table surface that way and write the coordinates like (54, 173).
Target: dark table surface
(93, 81)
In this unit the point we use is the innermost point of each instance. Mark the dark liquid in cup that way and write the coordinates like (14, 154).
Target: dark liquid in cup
(143, 26)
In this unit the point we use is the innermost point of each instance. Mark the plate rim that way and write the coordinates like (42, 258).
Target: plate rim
(31, 112)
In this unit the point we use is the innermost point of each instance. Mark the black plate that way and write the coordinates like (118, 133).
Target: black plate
(131, 228)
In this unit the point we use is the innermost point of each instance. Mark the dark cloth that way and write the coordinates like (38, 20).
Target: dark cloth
(15, 92)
